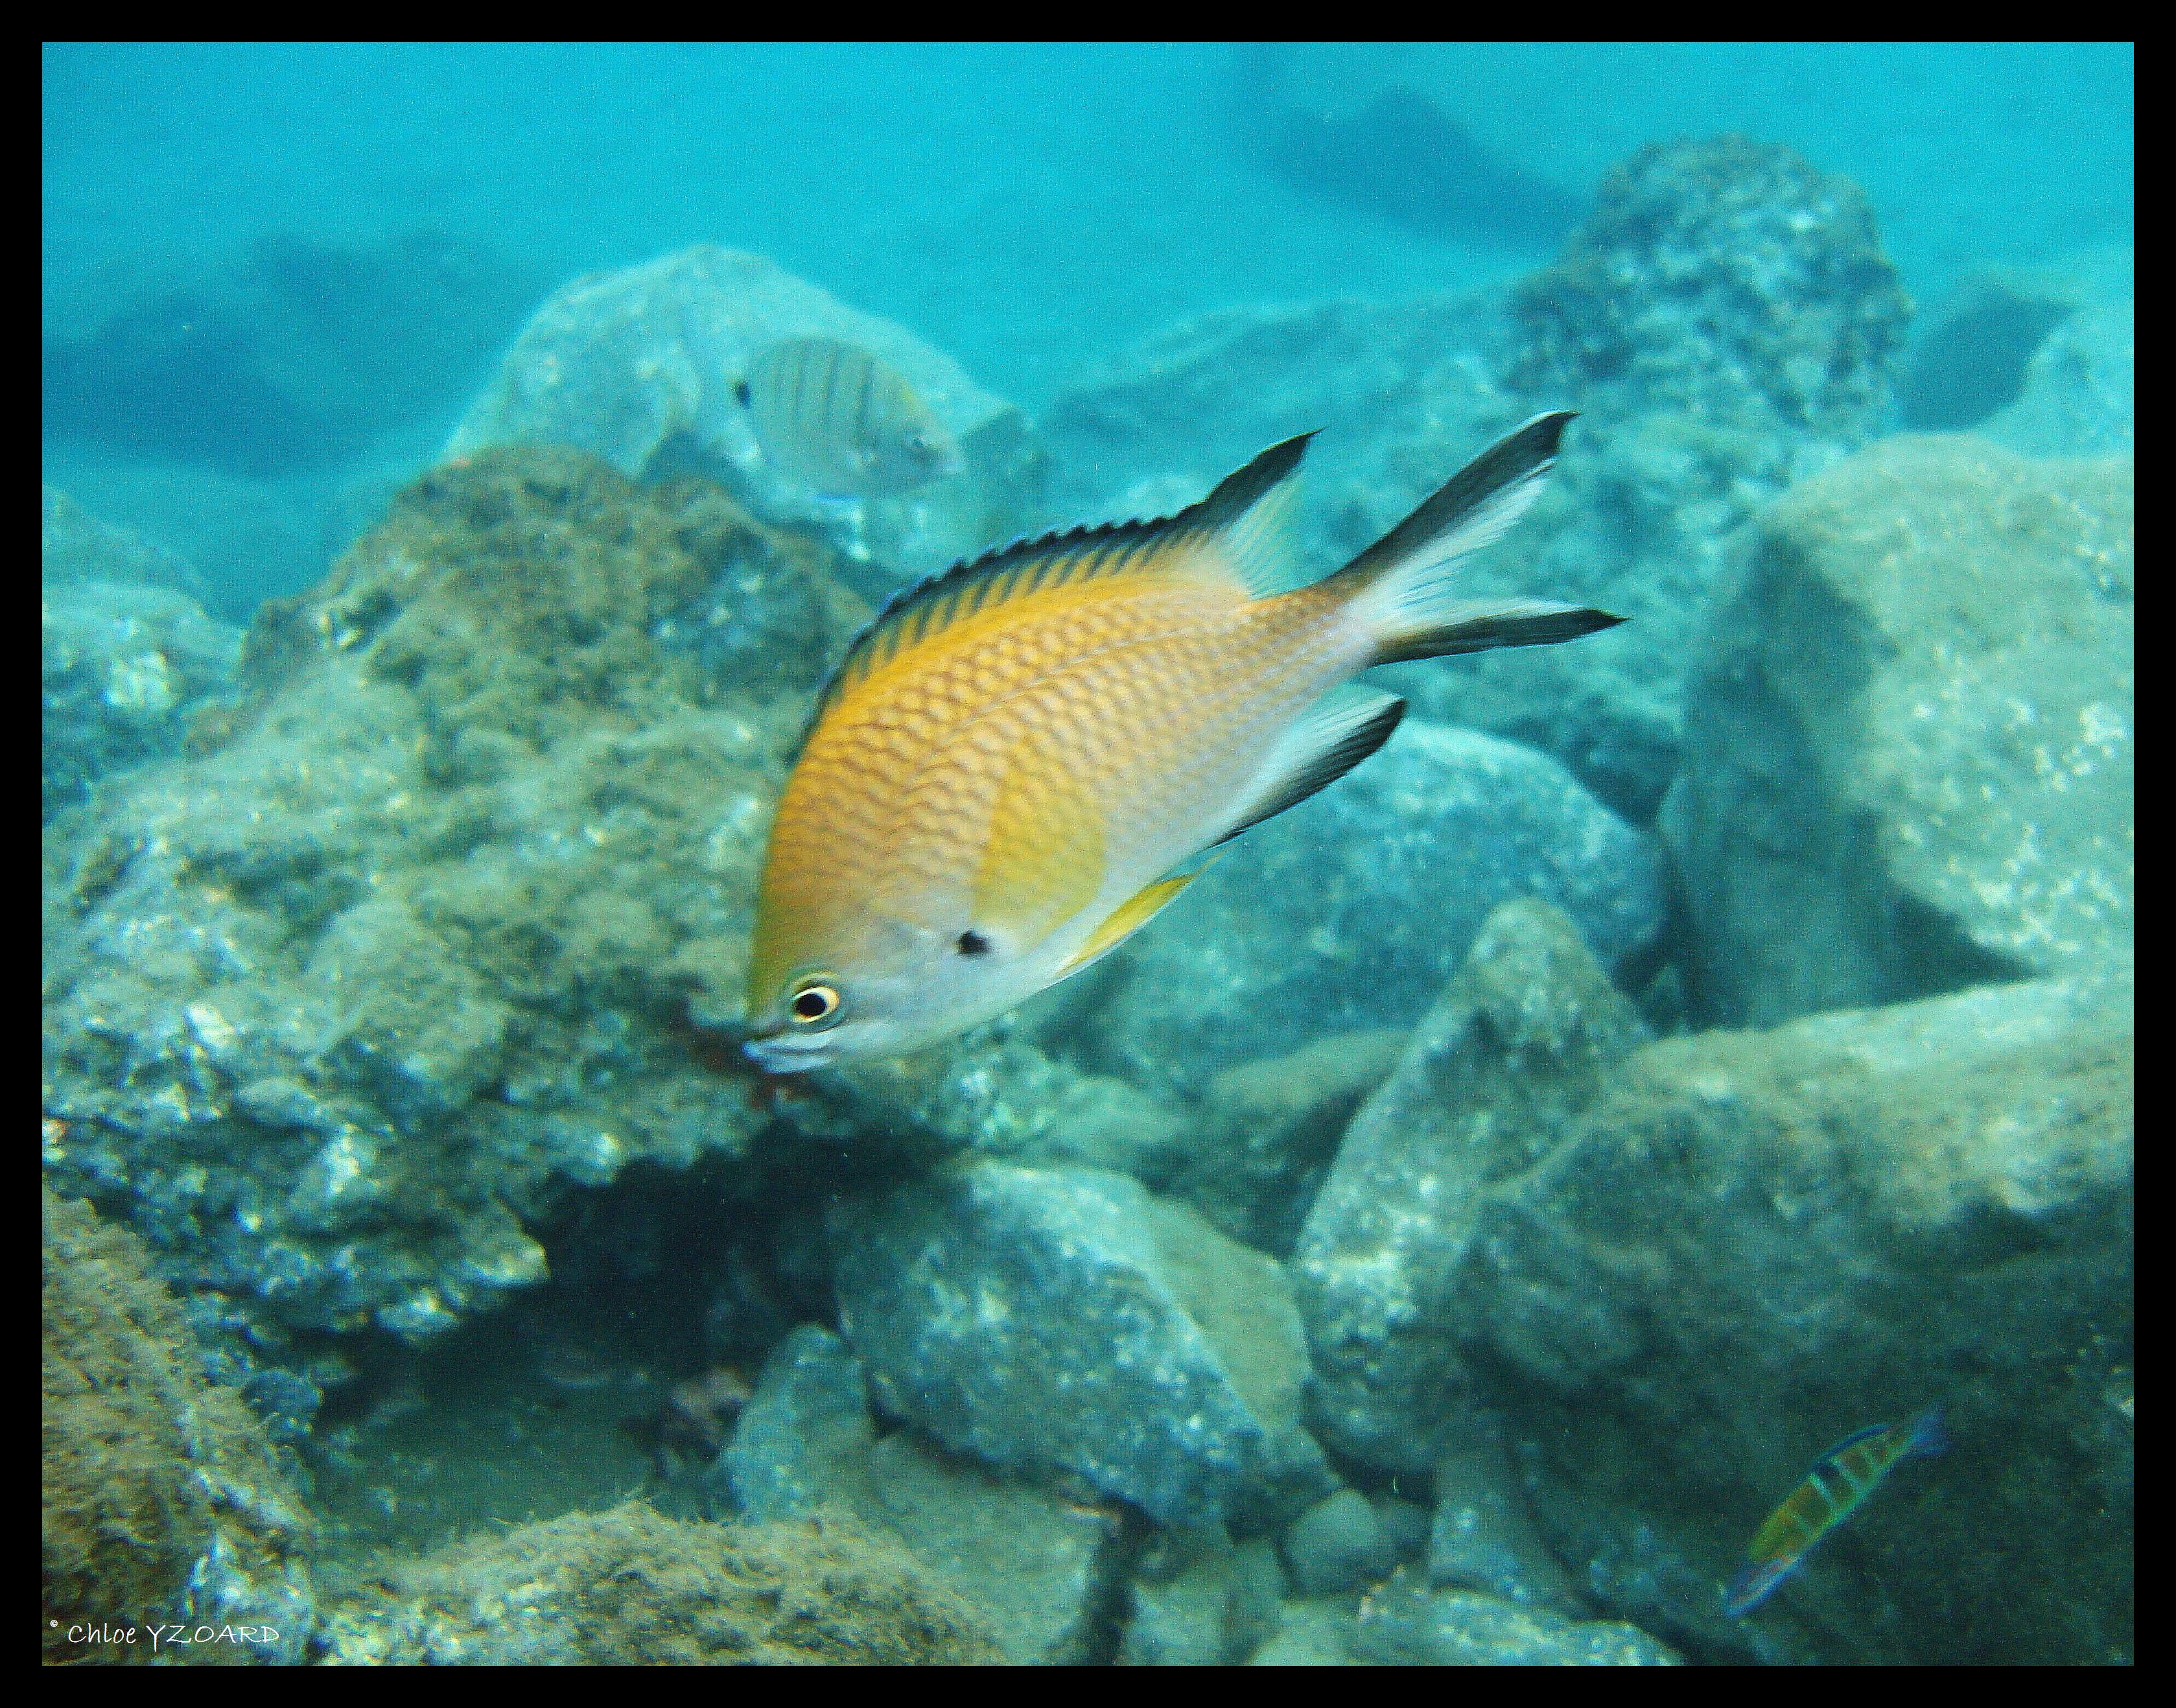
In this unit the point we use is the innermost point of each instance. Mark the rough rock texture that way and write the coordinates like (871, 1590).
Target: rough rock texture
(2080, 395)
(1046, 1569)
(1348, 913)
(1338, 1544)
(121, 668)
(1756, 1242)
(631, 1587)
(1488, 1082)
(164, 1502)
(409, 948)
(1911, 762)
(1053, 1321)
(1406, 1624)
(638, 367)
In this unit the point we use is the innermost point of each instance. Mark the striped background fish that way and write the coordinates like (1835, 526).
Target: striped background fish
(1012, 769)
(1841, 1479)
(833, 418)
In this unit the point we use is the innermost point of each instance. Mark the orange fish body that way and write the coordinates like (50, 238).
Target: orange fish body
(1009, 764)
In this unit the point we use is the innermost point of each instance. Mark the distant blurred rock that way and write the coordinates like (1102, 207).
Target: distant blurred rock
(75, 547)
(297, 355)
(1349, 913)
(1048, 1321)
(2037, 358)
(1909, 766)
(640, 366)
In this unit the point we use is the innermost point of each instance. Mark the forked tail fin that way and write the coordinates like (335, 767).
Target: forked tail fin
(1401, 585)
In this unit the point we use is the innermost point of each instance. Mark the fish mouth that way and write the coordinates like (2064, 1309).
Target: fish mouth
(779, 1055)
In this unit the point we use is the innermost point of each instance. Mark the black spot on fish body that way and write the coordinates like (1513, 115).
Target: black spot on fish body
(742, 394)
(973, 942)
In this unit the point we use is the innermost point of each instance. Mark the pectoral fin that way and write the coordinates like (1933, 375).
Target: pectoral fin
(1128, 918)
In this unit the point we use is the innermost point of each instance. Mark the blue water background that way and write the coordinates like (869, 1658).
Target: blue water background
(1025, 208)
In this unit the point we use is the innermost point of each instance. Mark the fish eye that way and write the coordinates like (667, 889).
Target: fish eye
(813, 1003)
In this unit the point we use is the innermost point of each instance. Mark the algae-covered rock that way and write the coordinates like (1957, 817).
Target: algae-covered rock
(165, 1504)
(1049, 1321)
(639, 366)
(1348, 913)
(1515, 1045)
(338, 1005)
(631, 1587)
(1911, 765)
(1754, 1243)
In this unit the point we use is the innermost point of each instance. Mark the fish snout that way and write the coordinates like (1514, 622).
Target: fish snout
(775, 1052)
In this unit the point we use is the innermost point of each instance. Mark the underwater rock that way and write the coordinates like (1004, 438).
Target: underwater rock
(1338, 1544)
(1266, 1131)
(2039, 359)
(639, 366)
(1395, 153)
(2079, 399)
(164, 1501)
(121, 668)
(1910, 761)
(1726, 323)
(1493, 1073)
(1754, 1243)
(1483, 1537)
(74, 546)
(803, 1438)
(1054, 1321)
(294, 357)
(1348, 914)
(1198, 1599)
(632, 1587)
(1318, 1632)
(406, 950)
(1721, 278)
(1044, 1569)
(1406, 1624)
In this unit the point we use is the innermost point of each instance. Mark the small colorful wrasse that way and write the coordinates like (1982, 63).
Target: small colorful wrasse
(1840, 1478)
(1011, 770)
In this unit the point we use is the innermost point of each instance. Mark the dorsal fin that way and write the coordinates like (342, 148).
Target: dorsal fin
(1849, 1441)
(1246, 515)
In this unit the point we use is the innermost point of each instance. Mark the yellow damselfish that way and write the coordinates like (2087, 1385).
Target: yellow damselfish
(1013, 767)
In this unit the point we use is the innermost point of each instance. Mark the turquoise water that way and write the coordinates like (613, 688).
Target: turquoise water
(1674, 1051)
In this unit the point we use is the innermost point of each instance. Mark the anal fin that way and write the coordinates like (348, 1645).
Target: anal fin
(1327, 742)
(1129, 918)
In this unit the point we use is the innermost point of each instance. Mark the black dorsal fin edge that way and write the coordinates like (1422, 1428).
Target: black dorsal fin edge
(1104, 548)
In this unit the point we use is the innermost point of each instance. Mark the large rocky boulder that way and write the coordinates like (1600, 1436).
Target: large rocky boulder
(1671, 1273)
(1062, 1321)
(1909, 766)
(639, 366)
(407, 947)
